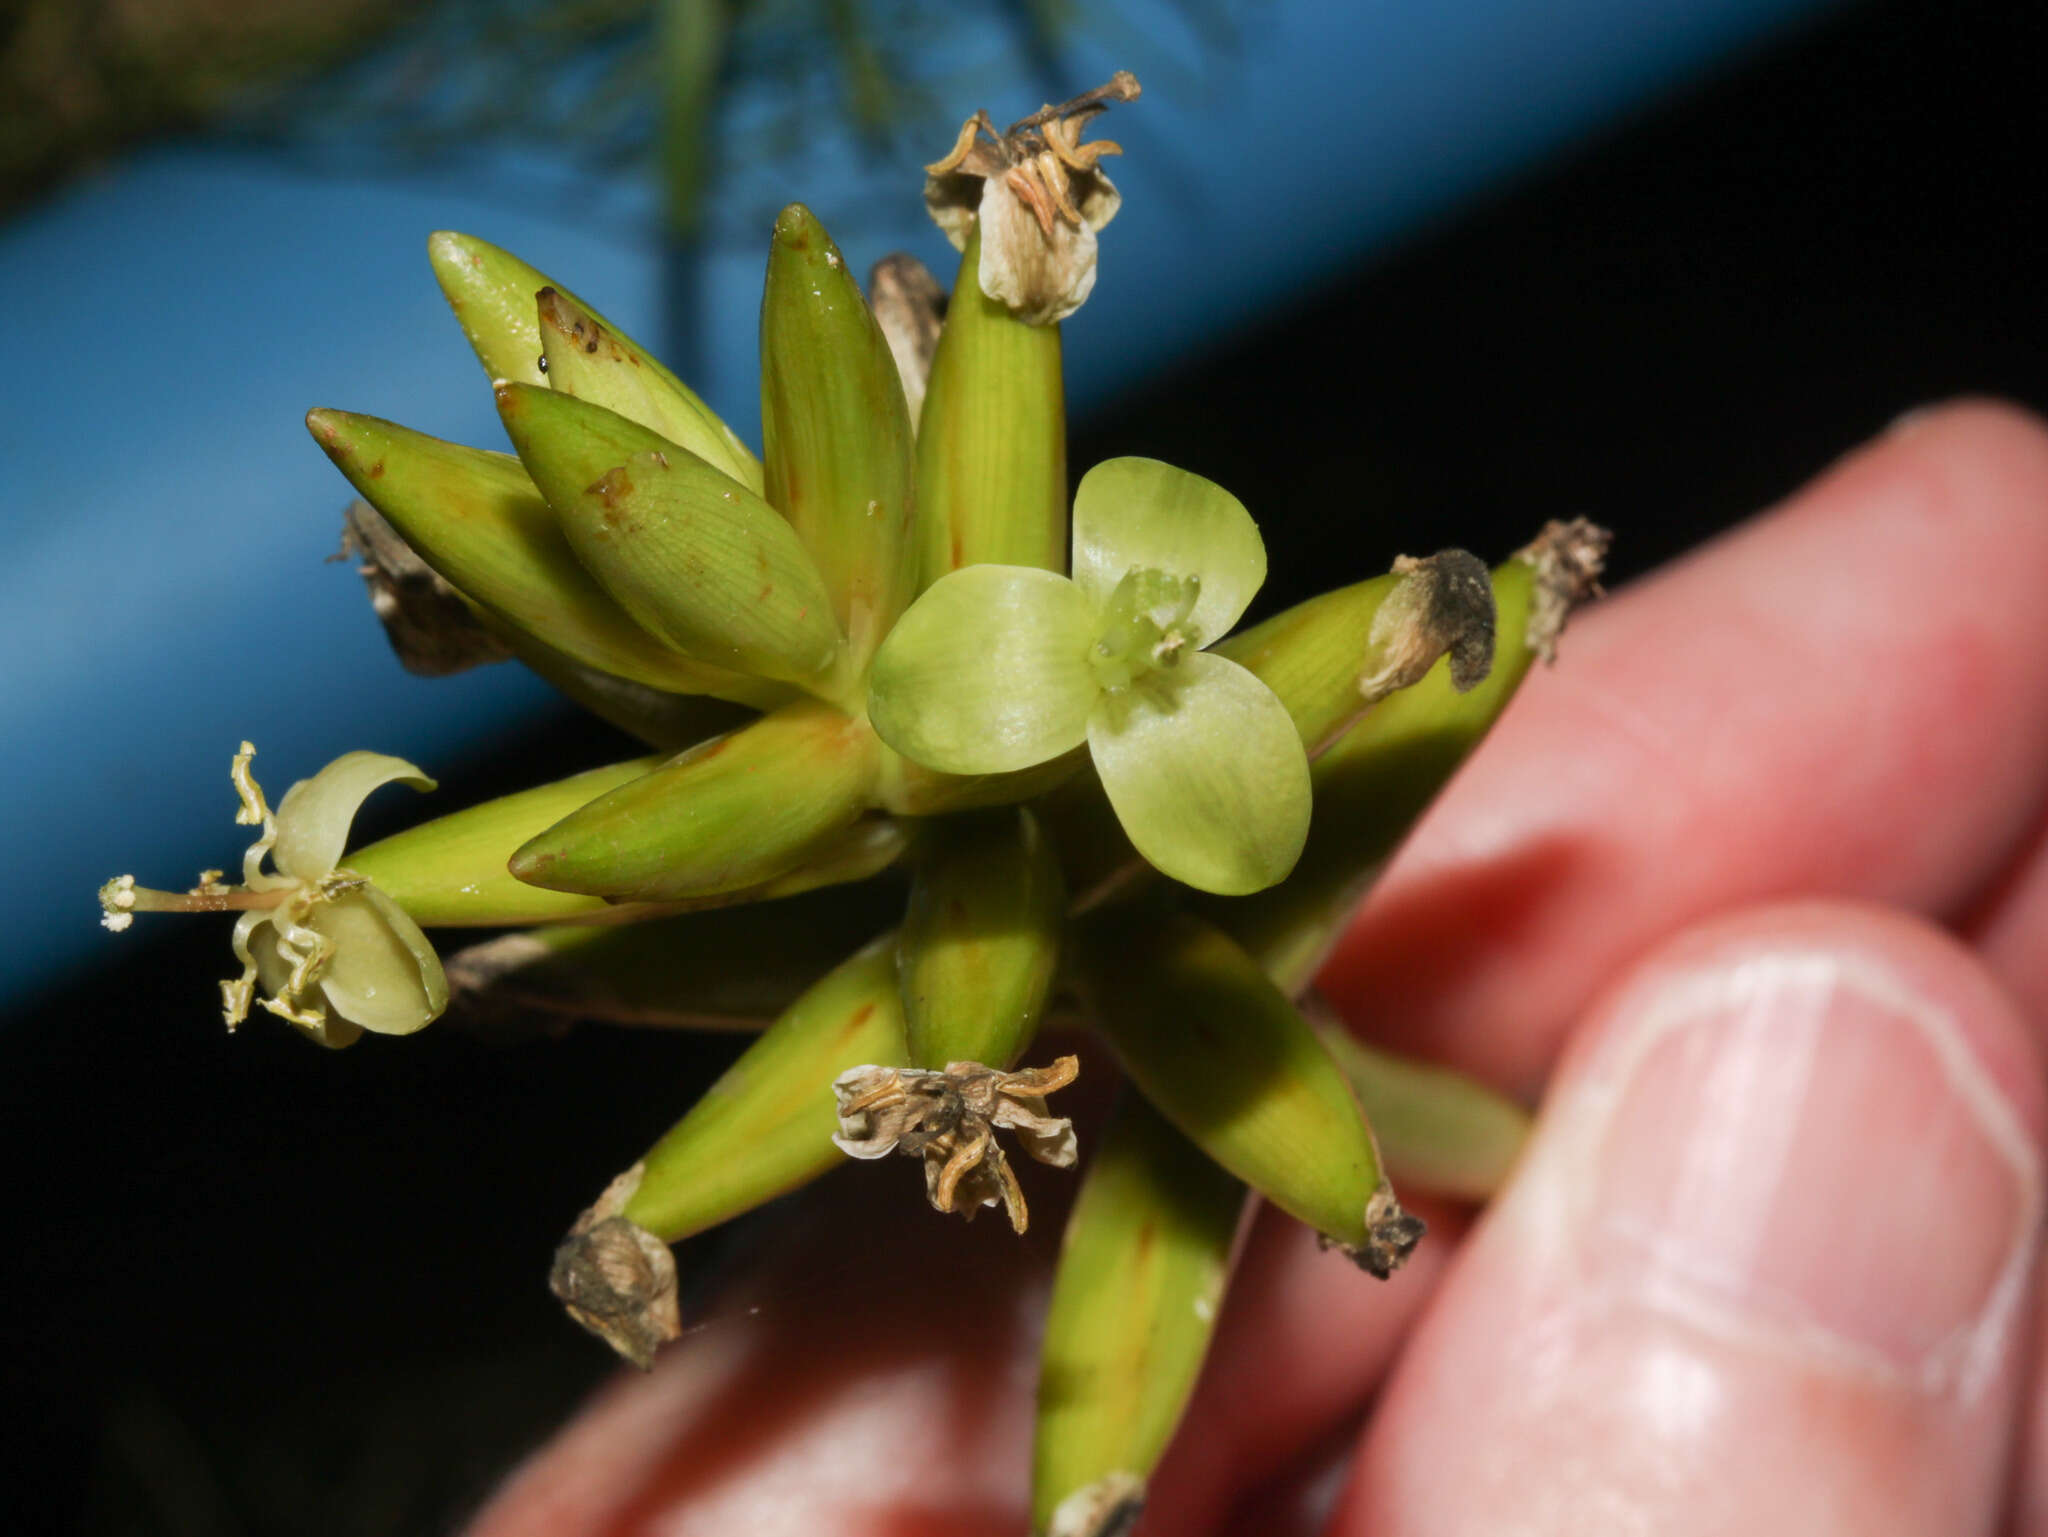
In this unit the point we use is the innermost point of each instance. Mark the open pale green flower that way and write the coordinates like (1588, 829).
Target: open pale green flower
(996, 668)
(335, 955)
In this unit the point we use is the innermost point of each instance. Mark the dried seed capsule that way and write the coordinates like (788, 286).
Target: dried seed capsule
(587, 359)
(477, 519)
(949, 1119)
(494, 296)
(767, 1125)
(992, 444)
(697, 559)
(981, 939)
(1141, 1275)
(836, 432)
(728, 815)
(1376, 780)
(1229, 1060)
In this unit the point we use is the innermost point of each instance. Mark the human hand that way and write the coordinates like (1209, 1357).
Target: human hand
(1753, 888)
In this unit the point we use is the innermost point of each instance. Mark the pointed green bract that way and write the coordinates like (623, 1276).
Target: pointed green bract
(1140, 514)
(987, 672)
(722, 817)
(452, 870)
(836, 433)
(992, 445)
(766, 1126)
(1141, 1276)
(1206, 774)
(696, 558)
(494, 296)
(476, 518)
(981, 939)
(588, 360)
(1226, 1057)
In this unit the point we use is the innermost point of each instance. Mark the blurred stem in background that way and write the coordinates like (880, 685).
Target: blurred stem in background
(690, 45)
(82, 79)
(608, 85)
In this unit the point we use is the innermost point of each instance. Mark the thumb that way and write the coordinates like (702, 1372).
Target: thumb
(1764, 1268)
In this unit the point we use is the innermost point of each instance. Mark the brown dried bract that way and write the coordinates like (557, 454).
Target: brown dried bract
(910, 307)
(617, 1279)
(1391, 1235)
(1109, 1507)
(1445, 605)
(1568, 556)
(429, 626)
(950, 1119)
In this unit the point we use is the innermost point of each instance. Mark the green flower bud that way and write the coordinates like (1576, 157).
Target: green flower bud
(731, 814)
(992, 443)
(1134, 1303)
(476, 518)
(836, 431)
(981, 939)
(1228, 1059)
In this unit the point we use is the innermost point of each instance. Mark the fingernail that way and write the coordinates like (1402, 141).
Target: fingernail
(1797, 1143)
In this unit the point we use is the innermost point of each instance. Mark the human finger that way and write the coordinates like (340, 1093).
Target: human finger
(1766, 1267)
(1848, 695)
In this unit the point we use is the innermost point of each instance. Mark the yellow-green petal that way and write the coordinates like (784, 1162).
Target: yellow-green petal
(1142, 514)
(1206, 773)
(314, 817)
(987, 672)
(384, 975)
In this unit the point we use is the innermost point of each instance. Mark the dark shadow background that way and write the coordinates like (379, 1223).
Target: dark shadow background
(260, 1289)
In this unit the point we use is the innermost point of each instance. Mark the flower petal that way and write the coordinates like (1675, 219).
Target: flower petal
(384, 975)
(987, 672)
(1140, 512)
(1042, 278)
(314, 816)
(1206, 774)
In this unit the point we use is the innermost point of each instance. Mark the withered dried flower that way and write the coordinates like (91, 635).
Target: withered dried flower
(1039, 195)
(949, 1120)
